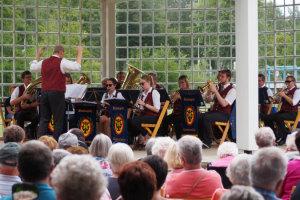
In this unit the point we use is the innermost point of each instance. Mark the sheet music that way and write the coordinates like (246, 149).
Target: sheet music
(75, 91)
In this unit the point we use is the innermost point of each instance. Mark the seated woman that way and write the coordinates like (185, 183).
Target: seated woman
(226, 152)
(291, 151)
(149, 110)
(103, 126)
(175, 117)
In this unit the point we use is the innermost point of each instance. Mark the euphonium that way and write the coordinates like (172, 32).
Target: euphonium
(131, 78)
(32, 90)
(176, 93)
(202, 89)
(272, 99)
(83, 79)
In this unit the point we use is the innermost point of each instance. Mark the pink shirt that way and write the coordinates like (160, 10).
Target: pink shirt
(174, 171)
(185, 181)
(291, 179)
(218, 194)
(223, 162)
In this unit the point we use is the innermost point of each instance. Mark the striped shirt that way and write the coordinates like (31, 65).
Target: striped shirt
(6, 183)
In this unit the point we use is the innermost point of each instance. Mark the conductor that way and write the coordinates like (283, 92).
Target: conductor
(53, 86)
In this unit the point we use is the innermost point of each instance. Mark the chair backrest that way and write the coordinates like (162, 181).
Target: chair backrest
(270, 108)
(222, 171)
(279, 107)
(297, 118)
(161, 116)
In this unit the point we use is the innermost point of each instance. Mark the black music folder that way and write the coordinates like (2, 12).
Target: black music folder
(130, 94)
(94, 94)
(163, 95)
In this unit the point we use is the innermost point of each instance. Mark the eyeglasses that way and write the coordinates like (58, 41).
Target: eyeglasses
(288, 81)
(181, 82)
(260, 80)
(109, 85)
(142, 83)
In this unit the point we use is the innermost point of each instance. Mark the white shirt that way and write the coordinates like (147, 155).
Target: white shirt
(269, 91)
(155, 98)
(119, 96)
(15, 94)
(231, 95)
(296, 97)
(6, 183)
(65, 65)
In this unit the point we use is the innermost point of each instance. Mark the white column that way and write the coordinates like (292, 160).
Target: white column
(246, 23)
(110, 68)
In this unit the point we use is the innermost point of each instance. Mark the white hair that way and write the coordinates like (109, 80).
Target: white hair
(59, 154)
(118, 155)
(104, 79)
(238, 170)
(239, 192)
(264, 137)
(149, 146)
(190, 148)
(161, 146)
(79, 177)
(100, 146)
(267, 168)
(290, 141)
(227, 149)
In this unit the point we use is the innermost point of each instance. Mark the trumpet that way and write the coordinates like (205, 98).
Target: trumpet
(176, 93)
(272, 99)
(136, 103)
(202, 89)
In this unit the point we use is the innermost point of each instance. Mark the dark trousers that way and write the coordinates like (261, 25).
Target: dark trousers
(52, 103)
(33, 117)
(262, 116)
(135, 124)
(279, 118)
(204, 124)
(176, 119)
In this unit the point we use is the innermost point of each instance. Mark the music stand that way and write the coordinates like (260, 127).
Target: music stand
(94, 94)
(193, 92)
(163, 95)
(130, 94)
(120, 101)
(263, 97)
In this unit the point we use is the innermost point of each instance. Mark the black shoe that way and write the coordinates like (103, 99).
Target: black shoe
(205, 146)
(280, 142)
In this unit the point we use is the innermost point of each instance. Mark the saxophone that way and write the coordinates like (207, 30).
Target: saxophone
(32, 90)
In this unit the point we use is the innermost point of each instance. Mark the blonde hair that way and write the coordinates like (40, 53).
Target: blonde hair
(49, 142)
(12, 87)
(172, 157)
(150, 79)
(186, 79)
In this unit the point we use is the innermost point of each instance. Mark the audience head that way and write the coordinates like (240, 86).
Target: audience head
(35, 161)
(291, 142)
(12, 88)
(77, 150)
(9, 158)
(59, 154)
(161, 146)
(49, 141)
(190, 151)
(78, 177)
(172, 158)
(118, 155)
(264, 137)
(297, 140)
(239, 192)
(79, 133)
(160, 167)
(100, 146)
(103, 82)
(67, 140)
(227, 149)
(137, 181)
(149, 146)
(14, 133)
(238, 170)
(268, 168)
(69, 79)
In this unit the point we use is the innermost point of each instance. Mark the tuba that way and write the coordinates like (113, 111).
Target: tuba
(83, 79)
(32, 90)
(131, 78)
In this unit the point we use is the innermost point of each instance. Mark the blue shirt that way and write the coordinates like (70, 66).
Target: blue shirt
(267, 194)
(45, 192)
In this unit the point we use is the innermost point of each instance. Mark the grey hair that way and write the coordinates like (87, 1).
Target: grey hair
(105, 78)
(161, 146)
(79, 177)
(290, 141)
(100, 146)
(238, 170)
(264, 137)
(149, 146)
(239, 192)
(154, 75)
(227, 149)
(267, 168)
(58, 49)
(118, 155)
(190, 148)
(58, 155)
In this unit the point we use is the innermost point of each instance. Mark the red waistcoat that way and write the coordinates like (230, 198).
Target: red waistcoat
(107, 111)
(31, 110)
(53, 79)
(149, 101)
(177, 110)
(286, 107)
(264, 107)
(217, 106)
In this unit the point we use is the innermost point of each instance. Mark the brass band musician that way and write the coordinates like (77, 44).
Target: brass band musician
(264, 107)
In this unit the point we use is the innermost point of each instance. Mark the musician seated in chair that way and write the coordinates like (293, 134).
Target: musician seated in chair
(224, 98)
(121, 77)
(175, 117)
(25, 111)
(9, 112)
(290, 99)
(103, 125)
(264, 107)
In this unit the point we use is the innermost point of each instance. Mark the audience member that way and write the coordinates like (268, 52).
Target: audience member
(292, 176)
(14, 133)
(242, 193)
(118, 155)
(149, 146)
(190, 152)
(49, 141)
(226, 152)
(99, 150)
(35, 165)
(67, 140)
(160, 167)
(58, 155)
(9, 113)
(264, 137)
(173, 160)
(78, 177)
(8, 167)
(79, 134)
(137, 181)
(291, 151)
(296, 193)
(161, 145)
(77, 150)
(267, 171)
